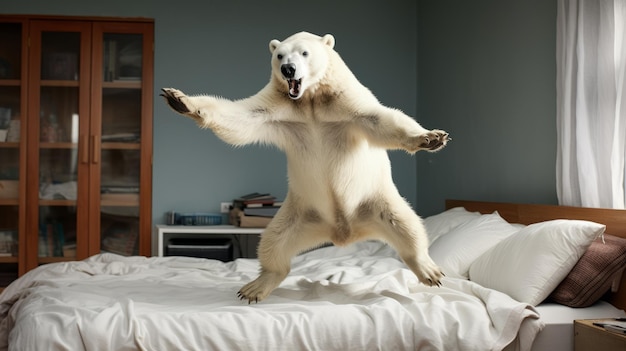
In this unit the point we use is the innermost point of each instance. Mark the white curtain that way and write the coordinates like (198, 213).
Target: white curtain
(591, 103)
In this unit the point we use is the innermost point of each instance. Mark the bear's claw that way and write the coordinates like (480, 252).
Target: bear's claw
(174, 101)
(242, 297)
(261, 287)
(435, 140)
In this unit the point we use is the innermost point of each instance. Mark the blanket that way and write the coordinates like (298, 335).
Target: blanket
(357, 298)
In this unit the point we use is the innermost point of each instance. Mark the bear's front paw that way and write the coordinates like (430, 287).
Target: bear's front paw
(433, 141)
(174, 97)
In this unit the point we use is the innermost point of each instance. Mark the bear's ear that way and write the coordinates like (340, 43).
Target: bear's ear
(273, 45)
(329, 40)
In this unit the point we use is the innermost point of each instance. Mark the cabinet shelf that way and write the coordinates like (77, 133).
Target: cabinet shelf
(59, 83)
(119, 203)
(9, 145)
(47, 145)
(62, 145)
(57, 202)
(10, 82)
(121, 146)
(105, 203)
(9, 202)
(122, 84)
(8, 259)
(53, 259)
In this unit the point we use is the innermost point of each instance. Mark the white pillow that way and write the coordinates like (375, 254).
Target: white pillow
(530, 264)
(441, 223)
(455, 251)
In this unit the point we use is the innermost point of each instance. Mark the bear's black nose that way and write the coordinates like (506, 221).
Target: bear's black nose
(288, 70)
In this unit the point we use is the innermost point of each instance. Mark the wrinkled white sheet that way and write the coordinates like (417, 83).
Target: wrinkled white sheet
(356, 298)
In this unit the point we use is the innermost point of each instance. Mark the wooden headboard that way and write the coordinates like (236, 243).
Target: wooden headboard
(615, 221)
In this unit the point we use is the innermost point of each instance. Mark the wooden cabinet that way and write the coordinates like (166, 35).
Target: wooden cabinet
(80, 91)
(13, 106)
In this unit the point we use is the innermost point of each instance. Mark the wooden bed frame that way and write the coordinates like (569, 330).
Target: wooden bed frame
(615, 221)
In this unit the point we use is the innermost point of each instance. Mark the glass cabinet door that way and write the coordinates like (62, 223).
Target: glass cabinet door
(12, 150)
(119, 92)
(120, 142)
(59, 83)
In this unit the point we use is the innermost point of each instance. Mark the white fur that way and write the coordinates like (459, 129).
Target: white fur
(335, 134)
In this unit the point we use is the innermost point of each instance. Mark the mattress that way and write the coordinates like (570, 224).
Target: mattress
(558, 333)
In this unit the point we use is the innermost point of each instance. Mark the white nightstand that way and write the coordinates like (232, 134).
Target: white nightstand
(190, 231)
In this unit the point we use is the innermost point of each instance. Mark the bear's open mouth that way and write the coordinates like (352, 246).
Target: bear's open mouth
(294, 87)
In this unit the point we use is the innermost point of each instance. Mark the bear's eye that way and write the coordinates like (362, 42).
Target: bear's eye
(305, 53)
(279, 56)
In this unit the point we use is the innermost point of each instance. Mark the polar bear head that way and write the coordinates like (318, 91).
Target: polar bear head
(300, 62)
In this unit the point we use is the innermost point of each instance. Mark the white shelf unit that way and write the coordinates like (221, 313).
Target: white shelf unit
(190, 230)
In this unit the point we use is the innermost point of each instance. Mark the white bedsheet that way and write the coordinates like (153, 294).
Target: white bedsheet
(356, 298)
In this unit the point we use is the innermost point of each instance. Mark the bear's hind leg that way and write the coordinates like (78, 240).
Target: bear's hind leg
(404, 231)
(285, 237)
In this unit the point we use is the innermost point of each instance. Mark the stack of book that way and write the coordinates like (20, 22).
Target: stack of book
(254, 210)
(51, 239)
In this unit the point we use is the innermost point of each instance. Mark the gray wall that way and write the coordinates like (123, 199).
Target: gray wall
(486, 74)
(224, 50)
(221, 47)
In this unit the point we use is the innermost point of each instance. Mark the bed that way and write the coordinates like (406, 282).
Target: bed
(557, 318)
(360, 297)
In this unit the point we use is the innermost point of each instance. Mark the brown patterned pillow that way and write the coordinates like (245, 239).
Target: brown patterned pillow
(594, 273)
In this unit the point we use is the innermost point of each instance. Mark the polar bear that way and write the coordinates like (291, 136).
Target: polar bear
(335, 134)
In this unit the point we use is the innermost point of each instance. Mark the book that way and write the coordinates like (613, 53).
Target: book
(60, 66)
(253, 221)
(254, 200)
(239, 219)
(69, 250)
(263, 211)
(253, 196)
(266, 200)
(119, 189)
(51, 239)
(120, 239)
(59, 240)
(193, 218)
(121, 197)
(617, 325)
(111, 61)
(13, 133)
